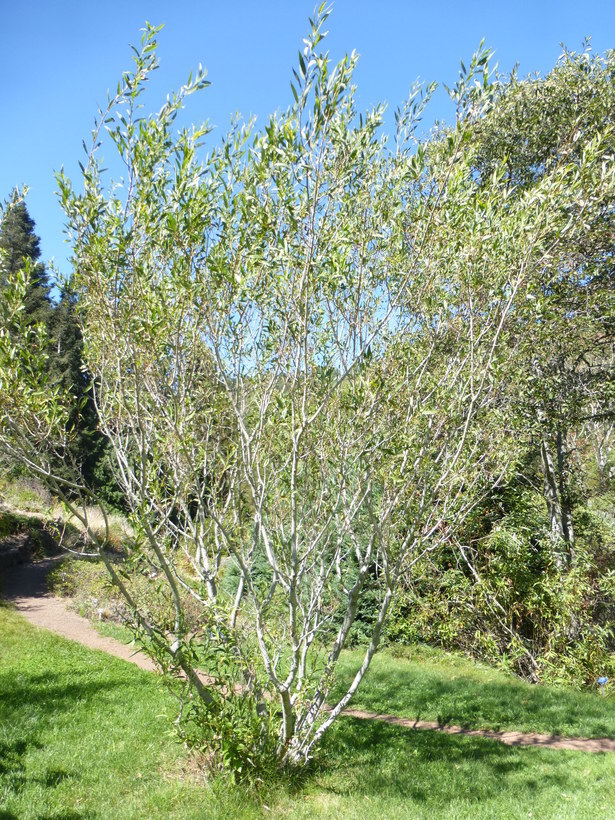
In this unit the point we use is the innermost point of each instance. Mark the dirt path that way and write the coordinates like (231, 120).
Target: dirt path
(577, 744)
(26, 588)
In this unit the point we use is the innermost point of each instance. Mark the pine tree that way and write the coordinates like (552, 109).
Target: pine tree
(19, 242)
(66, 367)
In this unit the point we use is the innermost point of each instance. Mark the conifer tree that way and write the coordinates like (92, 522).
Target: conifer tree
(67, 371)
(19, 243)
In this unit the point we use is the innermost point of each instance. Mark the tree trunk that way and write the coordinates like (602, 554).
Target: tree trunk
(554, 505)
(564, 492)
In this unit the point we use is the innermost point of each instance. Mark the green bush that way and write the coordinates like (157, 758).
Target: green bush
(88, 585)
(546, 623)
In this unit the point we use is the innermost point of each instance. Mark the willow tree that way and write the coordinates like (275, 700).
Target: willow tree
(295, 342)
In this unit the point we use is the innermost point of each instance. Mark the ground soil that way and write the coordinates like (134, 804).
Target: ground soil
(25, 587)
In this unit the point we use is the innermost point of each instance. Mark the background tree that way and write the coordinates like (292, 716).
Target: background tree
(19, 246)
(530, 576)
(19, 243)
(64, 346)
(566, 375)
(68, 372)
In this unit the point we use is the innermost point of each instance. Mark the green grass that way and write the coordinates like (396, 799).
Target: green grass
(434, 685)
(84, 735)
(374, 770)
(110, 629)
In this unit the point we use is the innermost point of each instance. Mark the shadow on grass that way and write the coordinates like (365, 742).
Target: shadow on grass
(30, 703)
(12, 763)
(36, 705)
(414, 691)
(14, 776)
(67, 815)
(50, 693)
(63, 815)
(373, 759)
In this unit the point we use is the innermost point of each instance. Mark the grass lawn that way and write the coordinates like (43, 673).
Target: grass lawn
(84, 735)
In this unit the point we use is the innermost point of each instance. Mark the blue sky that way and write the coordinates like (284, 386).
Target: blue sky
(57, 60)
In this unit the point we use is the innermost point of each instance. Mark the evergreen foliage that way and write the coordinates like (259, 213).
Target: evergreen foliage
(63, 348)
(19, 243)
(69, 374)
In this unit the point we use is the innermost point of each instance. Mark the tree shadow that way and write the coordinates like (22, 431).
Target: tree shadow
(50, 693)
(14, 775)
(30, 706)
(13, 765)
(27, 579)
(372, 758)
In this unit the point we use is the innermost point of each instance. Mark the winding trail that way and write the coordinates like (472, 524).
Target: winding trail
(25, 587)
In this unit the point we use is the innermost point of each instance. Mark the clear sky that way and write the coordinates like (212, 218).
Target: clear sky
(57, 60)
